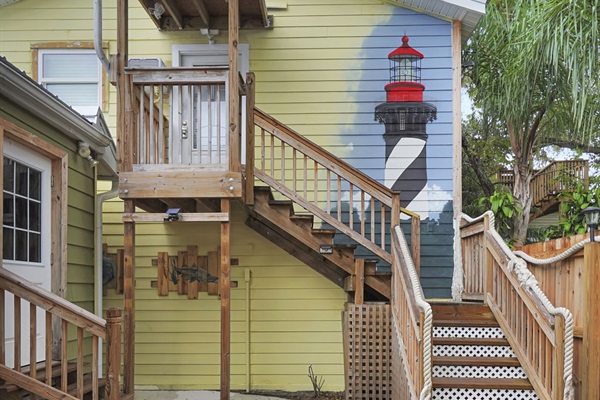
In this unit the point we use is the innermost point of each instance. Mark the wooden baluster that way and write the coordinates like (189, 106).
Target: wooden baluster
(328, 177)
(79, 362)
(262, 150)
(273, 156)
(372, 219)
(32, 340)
(415, 243)
(382, 233)
(282, 162)
(151, 144)
(161, 127)
(179, 134)
(218, 133)
(305, 174)
(362, 213)
(315, 182)
(351, 207)
(142, 128)
(49, 337)
(64, 361)
(95, 368)
(2, 325)
(339, 198)
(18, 338)
(294, 168)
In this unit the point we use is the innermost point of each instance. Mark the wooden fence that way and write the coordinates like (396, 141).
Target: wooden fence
(367, 351)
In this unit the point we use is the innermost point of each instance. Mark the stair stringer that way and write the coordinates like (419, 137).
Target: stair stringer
(276, 221)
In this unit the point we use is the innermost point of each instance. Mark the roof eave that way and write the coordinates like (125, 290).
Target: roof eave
(18, 89)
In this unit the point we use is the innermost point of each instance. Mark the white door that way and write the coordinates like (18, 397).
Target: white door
(200, 123)
(26, 238)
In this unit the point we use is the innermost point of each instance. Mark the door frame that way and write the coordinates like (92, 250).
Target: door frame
(58, 207)
(179, 50)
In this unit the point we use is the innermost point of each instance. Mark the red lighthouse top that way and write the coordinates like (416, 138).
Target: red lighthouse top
(405, 74)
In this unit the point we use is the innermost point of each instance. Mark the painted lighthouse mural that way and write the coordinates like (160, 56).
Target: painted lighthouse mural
(405, 116)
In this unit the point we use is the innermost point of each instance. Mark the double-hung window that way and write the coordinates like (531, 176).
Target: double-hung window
(75, 76)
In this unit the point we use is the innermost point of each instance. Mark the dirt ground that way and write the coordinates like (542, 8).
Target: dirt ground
(305, 395)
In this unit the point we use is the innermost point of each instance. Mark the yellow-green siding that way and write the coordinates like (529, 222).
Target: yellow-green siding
(295, 314)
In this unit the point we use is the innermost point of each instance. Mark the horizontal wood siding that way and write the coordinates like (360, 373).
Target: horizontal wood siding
(295, 313)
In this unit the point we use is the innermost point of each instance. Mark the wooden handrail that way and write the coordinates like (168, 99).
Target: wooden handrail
(411, 325)
(367, 198)
(534, 328)
(65, 313)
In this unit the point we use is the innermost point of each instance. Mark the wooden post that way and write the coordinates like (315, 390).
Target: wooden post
(249, 192)
(591, 322)
(415, 242)
(113, 354)
(129, 301)
(395, 217)
(234, 90)
(359, 272)
(488, 261)
(124, 136)
(224, 282)
(558, 387)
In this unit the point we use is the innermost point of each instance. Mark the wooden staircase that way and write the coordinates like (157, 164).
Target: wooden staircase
(547, 183)
(472, 359)
(277, 221)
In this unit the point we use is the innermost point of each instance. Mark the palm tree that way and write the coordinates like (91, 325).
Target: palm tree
(534, 59)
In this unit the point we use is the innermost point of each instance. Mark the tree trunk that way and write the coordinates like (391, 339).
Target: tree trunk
(521, 190)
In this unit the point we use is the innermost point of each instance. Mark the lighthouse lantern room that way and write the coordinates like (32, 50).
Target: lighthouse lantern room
(405, 74)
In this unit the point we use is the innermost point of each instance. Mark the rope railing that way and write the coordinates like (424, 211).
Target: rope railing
(412, 320)
(517, 266)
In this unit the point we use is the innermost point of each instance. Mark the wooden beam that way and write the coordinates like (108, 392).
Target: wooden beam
(234, 90)
(359, 290)
(224, 282)
(170, 184)
(185, 217)
(249, 190)
(591, 322)
(201, 8)
(129, 301)
(179, 76)
(173, 12)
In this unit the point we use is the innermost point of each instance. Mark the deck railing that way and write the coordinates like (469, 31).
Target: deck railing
(541, 334)
(181, 116)
(412, 320)
(28, 298)
(341, 196)
(556, 177)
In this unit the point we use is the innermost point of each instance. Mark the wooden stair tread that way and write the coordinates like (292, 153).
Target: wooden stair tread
(482, 383)
(471, 324)
(302, 217)
(467, 341)
(280, 202)
(323, 231)
(87, 385)
(40, 374)
(477, 361)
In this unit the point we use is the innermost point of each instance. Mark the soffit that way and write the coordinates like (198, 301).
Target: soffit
(198, 14)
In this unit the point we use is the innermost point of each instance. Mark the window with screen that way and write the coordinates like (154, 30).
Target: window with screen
(74, 76)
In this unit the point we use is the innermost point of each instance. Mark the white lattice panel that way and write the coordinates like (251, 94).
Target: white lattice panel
(471, 371)
(472, 351)
(483, 394)
(467, 331)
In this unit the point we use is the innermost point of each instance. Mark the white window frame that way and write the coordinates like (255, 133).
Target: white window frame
(87, 111)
